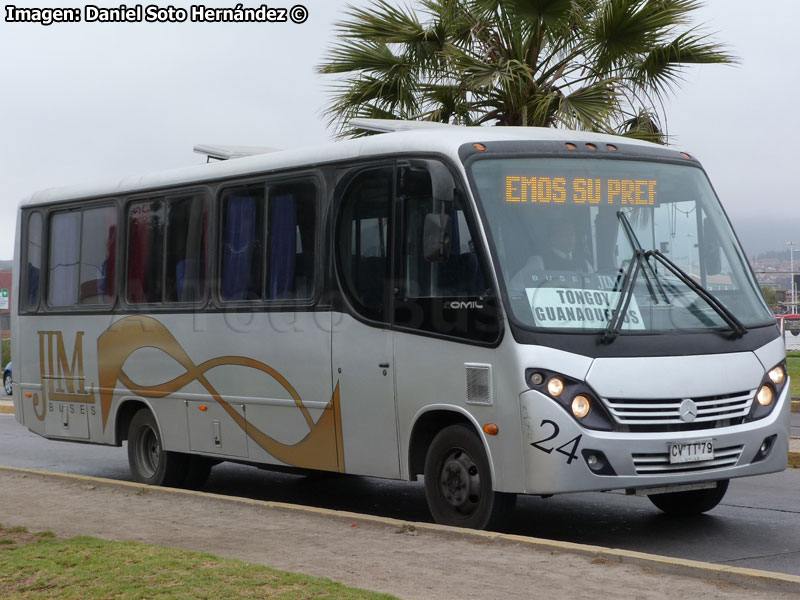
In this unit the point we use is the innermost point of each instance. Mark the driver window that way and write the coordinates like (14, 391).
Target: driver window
(458, 276)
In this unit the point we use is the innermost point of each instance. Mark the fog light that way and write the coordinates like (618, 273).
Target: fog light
(581, 406)
(777, 375)
(537, 379)
(555, 387)
(764, 447)
(592, 461)
(765, 395)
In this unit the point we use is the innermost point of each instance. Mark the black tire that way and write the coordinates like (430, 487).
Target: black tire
(197, 471)
(148, 460)
(7, 384)
(693, 502)
(458, 482)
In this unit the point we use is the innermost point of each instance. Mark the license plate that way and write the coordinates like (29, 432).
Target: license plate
(683, 452)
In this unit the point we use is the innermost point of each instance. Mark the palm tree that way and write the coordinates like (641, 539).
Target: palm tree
(599, 65)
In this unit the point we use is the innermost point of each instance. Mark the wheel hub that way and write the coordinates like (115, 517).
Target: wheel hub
(149, 452)
(460, 482)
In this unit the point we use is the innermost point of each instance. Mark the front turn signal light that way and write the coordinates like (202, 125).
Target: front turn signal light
(777, 375)
(765, 395)
(581, 406)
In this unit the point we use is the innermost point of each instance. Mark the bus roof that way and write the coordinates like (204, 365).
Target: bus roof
(441, 139)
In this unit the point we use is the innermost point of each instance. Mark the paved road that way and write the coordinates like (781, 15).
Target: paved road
(757, 525)
(795, 424)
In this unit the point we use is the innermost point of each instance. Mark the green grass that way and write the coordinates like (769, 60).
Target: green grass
(87, 568)
(5, 356)
(793, 366)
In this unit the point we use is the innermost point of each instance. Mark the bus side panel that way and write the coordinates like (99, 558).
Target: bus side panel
(431, 375)
(254, 386)
(15, 325)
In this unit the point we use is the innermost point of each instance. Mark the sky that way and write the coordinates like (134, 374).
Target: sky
(87, 101)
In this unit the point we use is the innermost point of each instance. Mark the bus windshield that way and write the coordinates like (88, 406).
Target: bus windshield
(563, 251)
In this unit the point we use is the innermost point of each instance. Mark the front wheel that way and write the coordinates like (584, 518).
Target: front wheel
(693, 502)
(148, 460)
(7, 384)
(458, 481)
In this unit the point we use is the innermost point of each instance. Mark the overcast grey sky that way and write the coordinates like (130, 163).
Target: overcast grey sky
(83, 101)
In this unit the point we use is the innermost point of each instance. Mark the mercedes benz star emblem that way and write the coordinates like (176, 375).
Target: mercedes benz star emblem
(688, 410)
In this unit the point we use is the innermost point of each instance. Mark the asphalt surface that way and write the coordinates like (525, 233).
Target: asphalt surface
(757, 525)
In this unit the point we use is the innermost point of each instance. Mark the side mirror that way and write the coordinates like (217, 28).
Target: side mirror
(436, 237)
(711, 252)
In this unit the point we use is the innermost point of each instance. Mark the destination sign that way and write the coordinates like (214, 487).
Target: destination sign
(578, 309)
(580, 190)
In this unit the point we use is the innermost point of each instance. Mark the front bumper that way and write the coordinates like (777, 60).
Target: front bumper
(554, 445)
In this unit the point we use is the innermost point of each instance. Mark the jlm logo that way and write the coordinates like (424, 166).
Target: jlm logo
(62, 377)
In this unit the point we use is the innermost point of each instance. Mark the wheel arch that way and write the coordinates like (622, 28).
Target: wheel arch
(124, 414)
(428, 422)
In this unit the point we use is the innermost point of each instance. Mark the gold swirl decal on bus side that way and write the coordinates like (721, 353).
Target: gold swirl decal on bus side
(321, 448)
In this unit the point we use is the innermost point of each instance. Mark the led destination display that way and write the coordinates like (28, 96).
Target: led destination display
(580, 190)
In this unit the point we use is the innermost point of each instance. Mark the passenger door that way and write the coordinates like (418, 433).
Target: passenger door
(362, 343)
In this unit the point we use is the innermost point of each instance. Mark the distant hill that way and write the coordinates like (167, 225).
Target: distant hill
(5, 265)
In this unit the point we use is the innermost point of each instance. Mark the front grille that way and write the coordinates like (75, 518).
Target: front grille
(664, 414)
(658, 463)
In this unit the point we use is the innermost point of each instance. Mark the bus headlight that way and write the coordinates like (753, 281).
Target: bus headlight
(576, 397)
(777, 375)
(765, 395)
(581, 406)
(555, 387)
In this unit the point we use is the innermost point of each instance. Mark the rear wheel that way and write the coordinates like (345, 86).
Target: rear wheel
(7, 383)
(148, 460)
(458, 481)
(693, 502)
(198, 469)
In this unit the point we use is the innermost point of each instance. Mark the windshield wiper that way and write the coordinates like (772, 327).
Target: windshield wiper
(725, 314)
(637, 248)
(641, 261)
(625, 294)
(638, 263)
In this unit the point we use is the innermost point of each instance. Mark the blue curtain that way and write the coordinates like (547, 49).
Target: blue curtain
(283, 246)
(240, 240)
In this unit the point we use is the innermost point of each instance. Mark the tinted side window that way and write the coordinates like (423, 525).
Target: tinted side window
(363, 241)
(291, 240)
(98, 255)
(65, 248)
(242, 235)
(34, 261)
(185, 264)
(145, 251)
(460, 275)
(268, 236)
(447, 297)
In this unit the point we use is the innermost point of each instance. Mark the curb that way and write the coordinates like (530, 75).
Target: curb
(795, 406)
(766, 580)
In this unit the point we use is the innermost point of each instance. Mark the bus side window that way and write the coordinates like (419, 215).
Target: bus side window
(460, 275)
(448, 297)
(65, 252)
(242, 235)
(82, 257)
(98, 255)
(34, 261)
(291, 240)
(185, 265)
(145, 251)
(363, 241)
